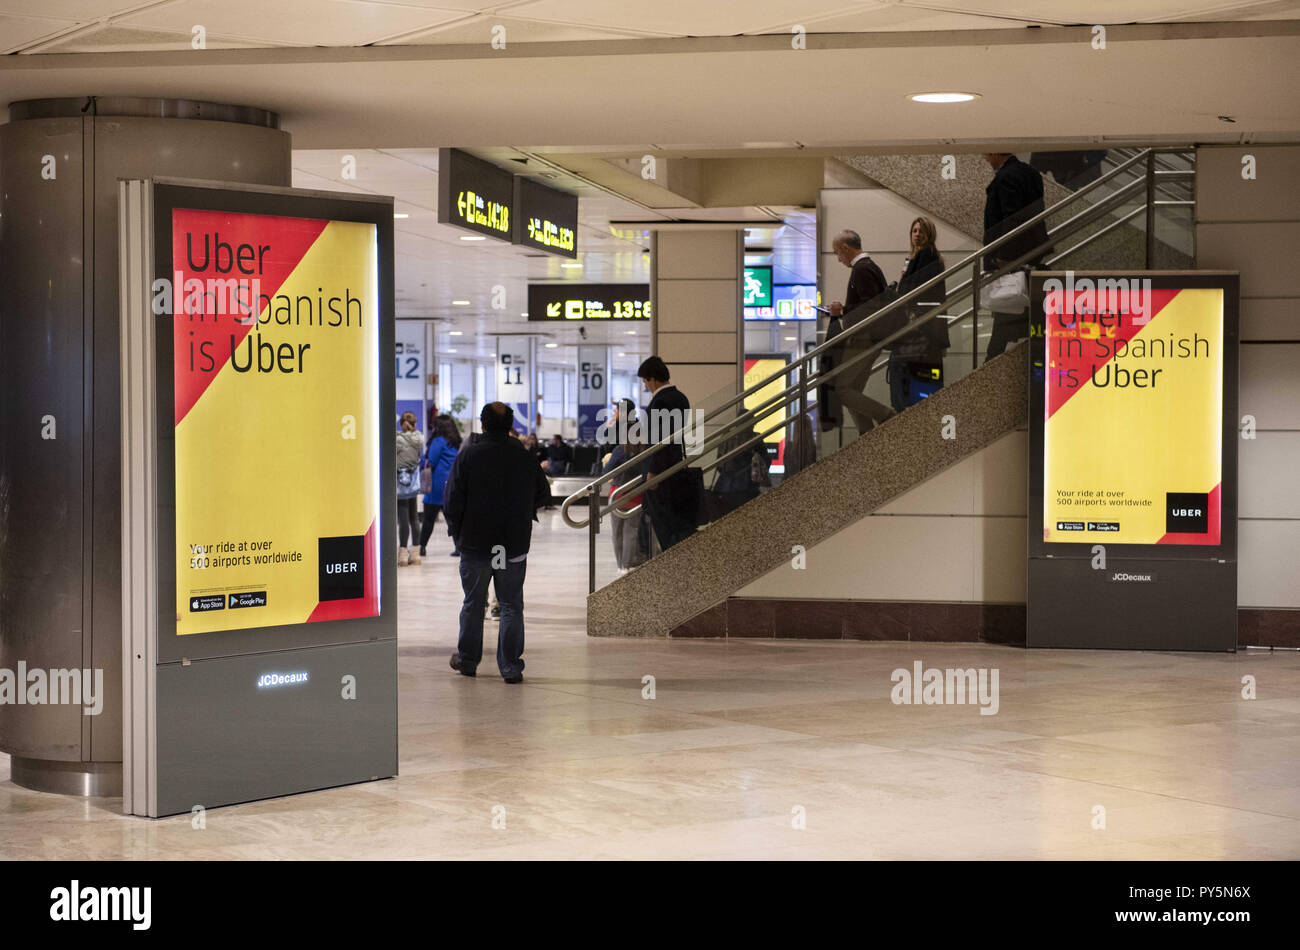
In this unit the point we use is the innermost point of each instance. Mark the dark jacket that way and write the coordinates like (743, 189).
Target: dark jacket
(559, 453)
(1013, 197)
(667, 412)
(930, 341)
(493, 493)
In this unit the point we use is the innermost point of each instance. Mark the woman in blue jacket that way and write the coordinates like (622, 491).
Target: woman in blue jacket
(438, 457)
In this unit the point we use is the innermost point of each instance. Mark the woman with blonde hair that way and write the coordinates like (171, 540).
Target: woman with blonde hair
(919, 355)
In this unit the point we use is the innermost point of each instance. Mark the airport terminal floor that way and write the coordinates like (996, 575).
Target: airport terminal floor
(744, 739)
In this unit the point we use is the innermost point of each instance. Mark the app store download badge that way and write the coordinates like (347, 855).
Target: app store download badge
(342, 567)
(202, 603)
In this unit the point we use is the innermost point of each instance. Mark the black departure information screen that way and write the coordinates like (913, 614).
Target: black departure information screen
(475, 194)
(555, 302)
(545, 218)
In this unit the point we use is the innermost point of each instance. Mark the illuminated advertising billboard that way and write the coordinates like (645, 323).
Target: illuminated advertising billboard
(551, 303)
(276, 398)
(759, 366)
(1132, 402)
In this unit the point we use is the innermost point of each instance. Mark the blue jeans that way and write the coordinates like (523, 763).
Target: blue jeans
(476, 572)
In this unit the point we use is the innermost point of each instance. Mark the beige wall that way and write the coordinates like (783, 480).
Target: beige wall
(1254, 227)
(959, 536)
(697, 325)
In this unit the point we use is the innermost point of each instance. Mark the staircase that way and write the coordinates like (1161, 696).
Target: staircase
(712, 564)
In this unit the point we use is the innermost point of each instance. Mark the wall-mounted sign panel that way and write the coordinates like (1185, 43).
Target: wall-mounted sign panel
(789, 302)
(557, 302)
(1132, 481)
(546, 219)
(757, 287)
(517, 378)
(475, 194)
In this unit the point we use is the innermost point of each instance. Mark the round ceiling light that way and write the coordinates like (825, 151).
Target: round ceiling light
(943, 96)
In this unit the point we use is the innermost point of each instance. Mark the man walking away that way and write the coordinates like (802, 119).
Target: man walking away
(493, 493)
(1013, 197)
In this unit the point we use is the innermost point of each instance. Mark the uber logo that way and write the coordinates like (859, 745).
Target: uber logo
(342, 566)
(1187, 512)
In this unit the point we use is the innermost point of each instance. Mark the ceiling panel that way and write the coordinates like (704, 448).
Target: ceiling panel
(479, 30)
(1105, 11)
(114, 39)
(683, 17)
(300, 23)
(894, 17)
(17, 32)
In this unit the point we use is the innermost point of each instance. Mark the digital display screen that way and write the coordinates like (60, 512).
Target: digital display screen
(789, 302)
(475, 194)
(546, 219)
(757, 286)
(556, 302)
(277, 446)
(1132, 412)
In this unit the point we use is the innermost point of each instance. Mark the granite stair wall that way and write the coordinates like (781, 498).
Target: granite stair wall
(699, 573)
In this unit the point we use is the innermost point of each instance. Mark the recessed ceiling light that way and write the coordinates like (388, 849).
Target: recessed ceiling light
(400, 214)
(630, 332)
(472, 237)
(456, 333)
(571, 264)
(943, 96)
(460, 303)
(790, 338)
(622, 354)
(551, 346)
(781, 324)
(524, 314)
(449, 351)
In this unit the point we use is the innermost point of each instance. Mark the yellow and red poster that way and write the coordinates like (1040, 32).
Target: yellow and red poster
(757, 368)
(276, 356)
(1134, 413)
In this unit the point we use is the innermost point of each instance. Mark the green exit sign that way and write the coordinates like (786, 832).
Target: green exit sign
(757, 286)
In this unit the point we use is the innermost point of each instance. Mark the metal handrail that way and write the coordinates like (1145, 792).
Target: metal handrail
(858, 327)
(810, 378)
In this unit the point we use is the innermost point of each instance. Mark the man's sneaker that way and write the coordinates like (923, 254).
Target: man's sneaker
(517, 678)
(496, 610)
(455, 665)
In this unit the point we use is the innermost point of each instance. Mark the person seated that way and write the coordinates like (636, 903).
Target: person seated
(558, 456)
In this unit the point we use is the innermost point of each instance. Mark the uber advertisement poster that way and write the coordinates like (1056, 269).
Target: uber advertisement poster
(1134, 413)
(276, 352)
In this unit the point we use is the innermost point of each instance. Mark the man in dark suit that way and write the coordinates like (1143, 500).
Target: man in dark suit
(861, 300)
(1013, 197)
(673, 504)
(493, 492)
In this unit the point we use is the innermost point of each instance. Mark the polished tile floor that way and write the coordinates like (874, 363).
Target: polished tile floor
(765, 749)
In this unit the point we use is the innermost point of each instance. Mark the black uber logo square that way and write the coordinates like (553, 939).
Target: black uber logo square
(1187, 512)
(342, 566)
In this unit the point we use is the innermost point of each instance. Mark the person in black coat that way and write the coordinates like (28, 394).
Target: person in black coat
(493, 492)
(921, 351)
(865, 295)
(673, 505)
(1013, 197)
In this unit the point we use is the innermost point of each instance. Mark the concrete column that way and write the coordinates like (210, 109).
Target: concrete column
(60, 400)
(697, 324)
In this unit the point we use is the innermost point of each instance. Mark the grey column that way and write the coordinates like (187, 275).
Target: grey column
(60, 496)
